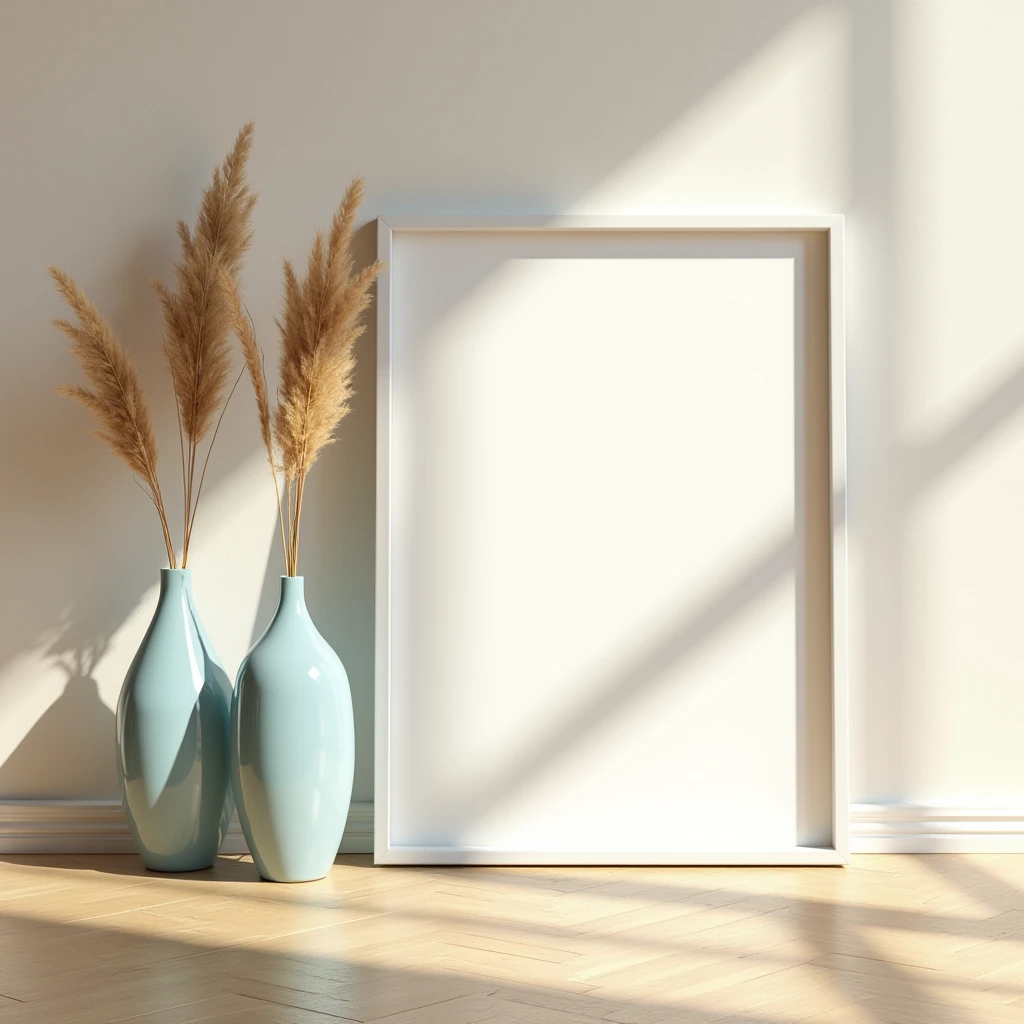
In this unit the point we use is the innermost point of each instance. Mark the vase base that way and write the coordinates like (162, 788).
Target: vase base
(169, 866)
(288, 881)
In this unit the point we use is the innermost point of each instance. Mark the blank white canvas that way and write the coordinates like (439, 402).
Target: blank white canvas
(595, 485)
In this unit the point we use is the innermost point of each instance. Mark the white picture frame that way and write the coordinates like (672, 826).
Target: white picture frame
(389, 846)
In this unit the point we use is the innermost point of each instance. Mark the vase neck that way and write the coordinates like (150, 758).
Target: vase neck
(175, 582)
(293, 596)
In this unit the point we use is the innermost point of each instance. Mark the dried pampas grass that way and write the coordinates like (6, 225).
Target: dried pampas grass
(320, 324)
(198, 315)
(198, 318)
(116, 397)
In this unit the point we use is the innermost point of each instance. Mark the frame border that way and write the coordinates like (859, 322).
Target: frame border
(839, 853)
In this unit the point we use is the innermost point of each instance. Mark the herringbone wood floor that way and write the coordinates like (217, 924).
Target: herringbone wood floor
(913, 940)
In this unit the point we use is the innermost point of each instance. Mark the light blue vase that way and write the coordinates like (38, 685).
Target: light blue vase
(173, 747)
(292, 745)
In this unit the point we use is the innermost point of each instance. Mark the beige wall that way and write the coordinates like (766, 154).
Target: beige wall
(903, 116)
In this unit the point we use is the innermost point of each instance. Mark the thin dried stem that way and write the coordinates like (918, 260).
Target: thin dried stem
(290, 506)
(300, 488)
(270, 450)
(293, 553)
(206, 461)
(181, 450)
(245, 331)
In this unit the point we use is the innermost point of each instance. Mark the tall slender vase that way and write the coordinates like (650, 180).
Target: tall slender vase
(173, 752)
(292, 745)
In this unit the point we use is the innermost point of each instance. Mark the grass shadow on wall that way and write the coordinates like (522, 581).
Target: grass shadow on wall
(58, 754)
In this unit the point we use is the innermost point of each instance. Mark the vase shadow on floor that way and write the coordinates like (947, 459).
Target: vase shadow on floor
(227, 868)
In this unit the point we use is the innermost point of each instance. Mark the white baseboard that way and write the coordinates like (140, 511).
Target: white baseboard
(902, 828)
(72, 826)
(99, 826)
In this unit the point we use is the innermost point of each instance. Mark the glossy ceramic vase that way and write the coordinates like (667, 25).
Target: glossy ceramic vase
(173, 747)
(292, 745)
